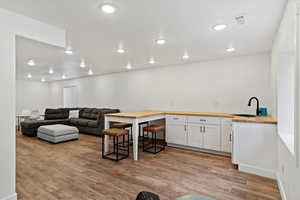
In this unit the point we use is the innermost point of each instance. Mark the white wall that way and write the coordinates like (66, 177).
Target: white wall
(32, 95)
(284, 46)
(11, 25)
(288, 172)
(213, 86)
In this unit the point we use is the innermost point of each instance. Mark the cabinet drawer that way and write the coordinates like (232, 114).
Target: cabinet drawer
(204, 120)
(175, 119)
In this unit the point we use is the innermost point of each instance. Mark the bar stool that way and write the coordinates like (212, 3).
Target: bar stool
(122, 125)
(115, 155)
(141, 136)
(153, 129)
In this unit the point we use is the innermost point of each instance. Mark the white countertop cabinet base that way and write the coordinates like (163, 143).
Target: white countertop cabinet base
(255, 148)
(199, 133)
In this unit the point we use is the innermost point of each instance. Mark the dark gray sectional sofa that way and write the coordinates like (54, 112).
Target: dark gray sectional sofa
(90, 121)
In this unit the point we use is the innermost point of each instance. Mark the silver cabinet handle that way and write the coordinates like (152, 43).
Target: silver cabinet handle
(184, 127)
(230, 138)
(204, 129)
(200, 129)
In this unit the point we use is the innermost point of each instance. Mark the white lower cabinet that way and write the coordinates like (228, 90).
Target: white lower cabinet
(255, 148)
(226, 135)
(212, 137)
(179, 134)
(195, 136)
(199, 132)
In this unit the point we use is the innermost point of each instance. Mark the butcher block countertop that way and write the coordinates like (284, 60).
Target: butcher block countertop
(204, 114)
(138, 114)
(266, 120)
(148, 113)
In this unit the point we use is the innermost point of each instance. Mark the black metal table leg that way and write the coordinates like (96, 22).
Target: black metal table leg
(117, 155)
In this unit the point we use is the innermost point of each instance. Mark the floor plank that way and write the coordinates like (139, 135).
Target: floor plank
(74, 170)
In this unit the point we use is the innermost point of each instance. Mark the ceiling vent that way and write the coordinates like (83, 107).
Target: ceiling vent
(240, 19)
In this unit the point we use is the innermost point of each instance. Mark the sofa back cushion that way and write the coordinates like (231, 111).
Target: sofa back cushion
(85, 113)
(51, 114)
(89, 113)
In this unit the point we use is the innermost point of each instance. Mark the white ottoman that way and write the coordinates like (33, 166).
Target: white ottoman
(58, 133)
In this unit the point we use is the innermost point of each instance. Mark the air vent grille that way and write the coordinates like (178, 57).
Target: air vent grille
(240, 19)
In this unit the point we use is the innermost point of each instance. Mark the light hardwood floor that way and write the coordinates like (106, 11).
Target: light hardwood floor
(74, 170)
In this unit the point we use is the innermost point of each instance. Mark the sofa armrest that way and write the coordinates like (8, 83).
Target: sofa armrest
(102, 114)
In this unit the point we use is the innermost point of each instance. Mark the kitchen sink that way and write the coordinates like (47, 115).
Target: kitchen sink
(244, 115)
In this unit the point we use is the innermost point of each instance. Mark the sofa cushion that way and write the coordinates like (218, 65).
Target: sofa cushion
(79, 122)
(74, 121)
(55, 114)
(38, 123)
(84, 113)
(83, 122)
(93, 123)
(89, 113)
(94, 114)
(54, 121)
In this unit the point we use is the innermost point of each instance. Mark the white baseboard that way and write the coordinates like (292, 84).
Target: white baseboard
(199, 149)
(281, 188)
(257, 171)
(11, 197)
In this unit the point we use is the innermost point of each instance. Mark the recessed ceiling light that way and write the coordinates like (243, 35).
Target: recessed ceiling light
(108, 8)
(90, 72)
(82, 63)
(43, 79)
(31, 62)
(185, 56)
(128, 66)
(29, 75)
(220, 27)
(63, 76)
(121, 50)
(51, 70)
(230, 49)
(152, 61)
(69, 51)
(160, 41)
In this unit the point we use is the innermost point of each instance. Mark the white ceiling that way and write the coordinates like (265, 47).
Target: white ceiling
(185, 24)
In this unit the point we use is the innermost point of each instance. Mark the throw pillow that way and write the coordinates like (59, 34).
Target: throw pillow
(73, 114)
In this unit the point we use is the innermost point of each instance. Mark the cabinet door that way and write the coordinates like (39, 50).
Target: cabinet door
(195, 136)
(176, 134)
(212, 137)
(226, 136)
